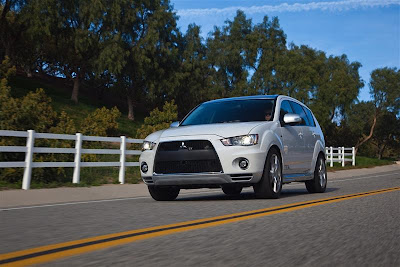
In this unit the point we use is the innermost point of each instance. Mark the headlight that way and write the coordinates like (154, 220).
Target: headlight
(147, 145)
(243, 140)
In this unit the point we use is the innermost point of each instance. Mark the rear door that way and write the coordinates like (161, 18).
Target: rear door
(311, 135)
(306, 134)
(293, 142)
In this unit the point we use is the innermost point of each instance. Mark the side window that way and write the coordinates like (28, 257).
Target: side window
(299, 110)
(285, 108)
(310, 117)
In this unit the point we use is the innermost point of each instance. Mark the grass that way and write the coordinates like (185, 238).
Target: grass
(361, 162)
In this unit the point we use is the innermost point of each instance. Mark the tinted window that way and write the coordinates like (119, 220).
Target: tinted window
(285, 109)
(310, 117)
(231, 111)
(299, 110)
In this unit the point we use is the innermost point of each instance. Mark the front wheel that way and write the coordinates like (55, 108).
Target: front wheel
(318, 184)
(163, 193)
(270, 185)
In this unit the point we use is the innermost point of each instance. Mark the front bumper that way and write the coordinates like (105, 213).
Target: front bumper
(229, 157)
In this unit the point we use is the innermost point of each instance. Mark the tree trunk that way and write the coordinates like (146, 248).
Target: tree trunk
(380, 152)
(383, 147)
(75, 90)
(28, 72)
(130, 109)
(371, 132)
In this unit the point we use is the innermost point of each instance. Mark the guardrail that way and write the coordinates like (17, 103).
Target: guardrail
(30, 149)
(338, 154)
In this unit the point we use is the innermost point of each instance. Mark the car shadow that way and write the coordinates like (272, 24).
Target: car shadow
(220, 196)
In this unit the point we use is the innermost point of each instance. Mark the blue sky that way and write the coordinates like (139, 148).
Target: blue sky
(367, 31)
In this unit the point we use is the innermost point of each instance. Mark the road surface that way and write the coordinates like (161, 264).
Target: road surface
(356, 222)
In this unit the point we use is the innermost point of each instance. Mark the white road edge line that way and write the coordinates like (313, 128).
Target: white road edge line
(187, 194)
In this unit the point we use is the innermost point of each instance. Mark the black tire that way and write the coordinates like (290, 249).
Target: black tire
(270, 185)
(232, 190)
(163, 193)
(318, 183)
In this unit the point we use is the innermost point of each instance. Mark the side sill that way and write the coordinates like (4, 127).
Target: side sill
(301, 177)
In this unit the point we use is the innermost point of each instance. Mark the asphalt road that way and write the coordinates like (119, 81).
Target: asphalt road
(362, 230)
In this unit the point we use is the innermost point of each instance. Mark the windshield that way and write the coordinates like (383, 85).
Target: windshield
(231, 111)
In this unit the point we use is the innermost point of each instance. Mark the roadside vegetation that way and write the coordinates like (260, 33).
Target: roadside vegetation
(361, 162)
(76, 66)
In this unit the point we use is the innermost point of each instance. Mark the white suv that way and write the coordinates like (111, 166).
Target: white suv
(260, 141)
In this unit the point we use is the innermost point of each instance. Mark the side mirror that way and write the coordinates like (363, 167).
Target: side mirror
(174, 124)
(291, 118)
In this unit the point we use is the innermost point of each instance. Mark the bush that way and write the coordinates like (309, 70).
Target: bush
(102, 122)
(159, 120)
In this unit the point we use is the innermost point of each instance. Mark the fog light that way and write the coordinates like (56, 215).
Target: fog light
(144, 167)
(243, 164)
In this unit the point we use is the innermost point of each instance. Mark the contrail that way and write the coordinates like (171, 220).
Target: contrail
(292, 7)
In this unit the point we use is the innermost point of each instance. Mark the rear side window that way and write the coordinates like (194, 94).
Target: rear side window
(285, 109)
(310, 117)
(300, 111)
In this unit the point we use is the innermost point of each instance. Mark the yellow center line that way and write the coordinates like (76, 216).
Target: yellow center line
(61, 250)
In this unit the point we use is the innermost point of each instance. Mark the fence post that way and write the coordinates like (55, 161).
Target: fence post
(30, 141)
(331, 157)
(122, 160)
(343, 159)
(77, 160)
(354, 156)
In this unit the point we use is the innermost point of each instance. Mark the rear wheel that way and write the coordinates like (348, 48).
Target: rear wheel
(232, 190)
(318, 184)
(270, 185)
(163, 193)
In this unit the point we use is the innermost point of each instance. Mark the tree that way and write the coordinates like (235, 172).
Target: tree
(195, 75)
(11, 26)
(229, 56)
(70, 33)
(328, 85)
(384, 89)
(139, 49)
(387, 132)
(267, 47)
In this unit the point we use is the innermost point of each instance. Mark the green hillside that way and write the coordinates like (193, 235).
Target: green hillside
(60, 96)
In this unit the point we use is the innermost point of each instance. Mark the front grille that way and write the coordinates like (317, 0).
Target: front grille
(193, 156)
(189, 166)
(190, 144)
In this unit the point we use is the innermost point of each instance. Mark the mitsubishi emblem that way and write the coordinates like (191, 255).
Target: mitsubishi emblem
(183, 146)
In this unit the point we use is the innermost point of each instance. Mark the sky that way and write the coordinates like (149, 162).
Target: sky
(367, 31)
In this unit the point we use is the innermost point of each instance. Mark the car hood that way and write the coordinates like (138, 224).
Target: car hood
(221, 129)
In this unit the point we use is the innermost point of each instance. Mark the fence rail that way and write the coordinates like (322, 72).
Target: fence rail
(339, 154)
(30, 150)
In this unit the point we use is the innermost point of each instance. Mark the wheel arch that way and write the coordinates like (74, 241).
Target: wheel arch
(318, 150)
(274, 146)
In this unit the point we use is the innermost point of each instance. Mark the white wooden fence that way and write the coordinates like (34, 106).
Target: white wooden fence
(338, 154)
(30, 149)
